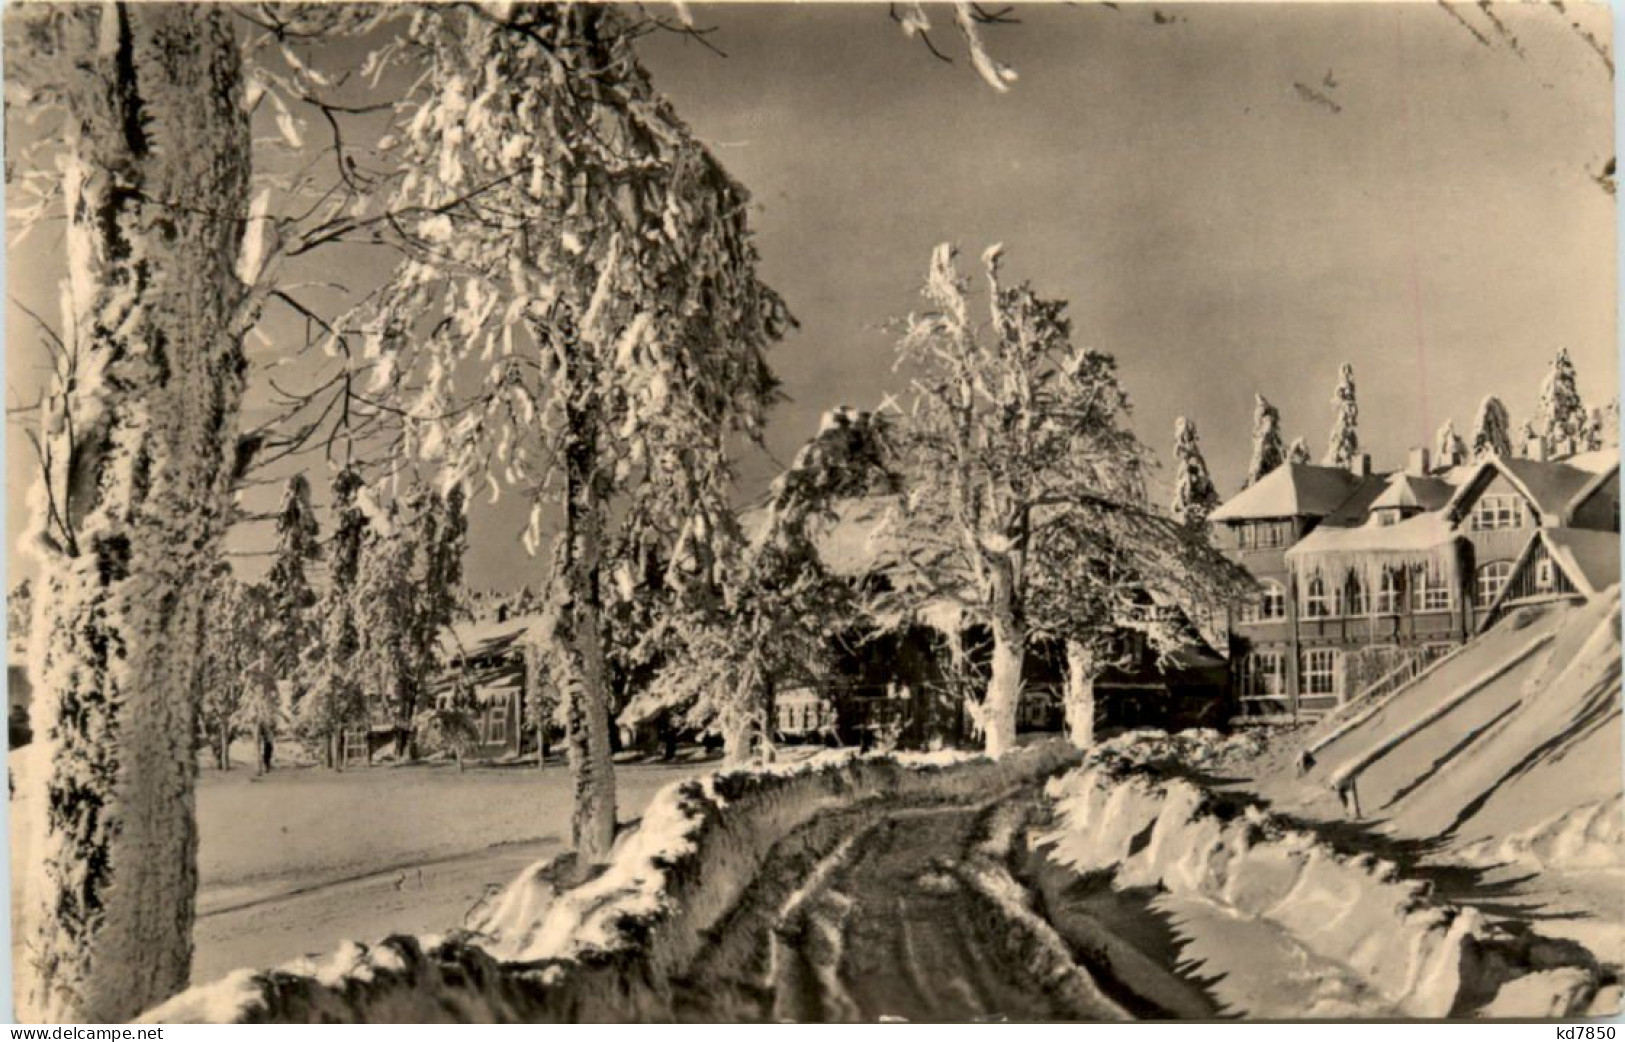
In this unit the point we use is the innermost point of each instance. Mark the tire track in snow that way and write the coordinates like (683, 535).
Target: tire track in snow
(904, 916)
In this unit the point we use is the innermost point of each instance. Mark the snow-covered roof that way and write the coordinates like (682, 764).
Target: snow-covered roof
(1596, 462)
(1295, 490)
(1590, 559)
(1422, 532)
(1550, 486)
(487, 636)
(1408, 491)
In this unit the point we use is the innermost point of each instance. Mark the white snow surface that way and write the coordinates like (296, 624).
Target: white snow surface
(669, 879)
(1408, 952)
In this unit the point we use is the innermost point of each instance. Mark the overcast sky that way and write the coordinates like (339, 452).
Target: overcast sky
(1234, 198)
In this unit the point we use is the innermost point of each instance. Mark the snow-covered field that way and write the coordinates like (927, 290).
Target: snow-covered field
(293, 863)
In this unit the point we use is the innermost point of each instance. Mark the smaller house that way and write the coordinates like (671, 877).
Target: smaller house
(489, 657)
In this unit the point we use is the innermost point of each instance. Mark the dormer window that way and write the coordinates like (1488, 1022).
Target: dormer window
(1263, 535)
(1497, 511)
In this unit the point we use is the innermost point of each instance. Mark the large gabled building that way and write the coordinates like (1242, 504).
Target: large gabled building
(1364, 573)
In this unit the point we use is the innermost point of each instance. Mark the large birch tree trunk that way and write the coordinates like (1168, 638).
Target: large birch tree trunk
(1079, 703)
(592, 772)
(133, 503)
(1009, 652)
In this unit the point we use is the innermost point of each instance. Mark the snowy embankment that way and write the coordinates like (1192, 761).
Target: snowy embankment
(1378, 944)
(606, 949)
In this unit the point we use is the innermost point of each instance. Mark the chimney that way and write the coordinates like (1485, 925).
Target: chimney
(1536, 449)
(1416, 463)
(1360, 465)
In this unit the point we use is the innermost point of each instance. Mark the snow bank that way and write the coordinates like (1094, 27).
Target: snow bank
(1195, 748)
(1425, 958)
(606, 950)
(1591, 836)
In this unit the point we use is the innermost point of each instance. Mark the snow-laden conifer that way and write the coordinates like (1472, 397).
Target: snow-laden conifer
(1344, 441)
(1561, 419)
(1492, 431)
(1194, 494)
(1267, 451)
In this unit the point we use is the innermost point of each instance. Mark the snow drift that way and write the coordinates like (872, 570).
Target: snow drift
(1419, 956)
(605, 950)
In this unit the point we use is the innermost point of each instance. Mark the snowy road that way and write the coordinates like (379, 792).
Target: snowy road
(902, 916)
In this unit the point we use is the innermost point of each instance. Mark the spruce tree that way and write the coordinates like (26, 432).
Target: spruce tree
(336, 699)
(1344, 441)
(1267, 451)
(1492, 431)
(1194, 494)
(1298, 451)
(1560, 418)
(292, 630)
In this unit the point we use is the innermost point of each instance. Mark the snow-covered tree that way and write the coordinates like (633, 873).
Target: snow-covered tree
(440, 533)
(406, 593)
(382, 604)
(1343, 444)
(1267, 451)
(234, 671)
(134, 492)
(1194, 494)
(1492, 431)
(1448, 448)
(773, 612)
(292, 628)
(1298, 452)
(1560, 418)
(1027, 473)
(578, 314)
(336, 697)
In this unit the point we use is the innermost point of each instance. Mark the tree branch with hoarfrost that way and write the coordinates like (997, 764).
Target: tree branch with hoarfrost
(587, 329)
(1029, 476)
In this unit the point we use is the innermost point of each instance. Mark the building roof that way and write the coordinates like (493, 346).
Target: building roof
(1294, 490)
(1590, 559)
(1596, 461)
(1419, 533)
(1408, 491)
(1551, 487)
(487, 636)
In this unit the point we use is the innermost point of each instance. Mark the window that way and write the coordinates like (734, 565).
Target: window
(1499, 511)
(1270, 606)
(1351, 598)
(1315, 603)
(1387, 518)
(1543, 575)
(1387, 602)
(1320, 671)
(496, 730)
(1263, 674)
(1263, 535)
(1489, 582)
(1429, 592)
